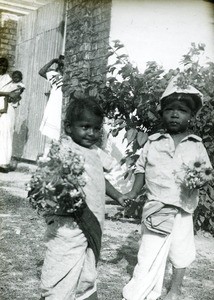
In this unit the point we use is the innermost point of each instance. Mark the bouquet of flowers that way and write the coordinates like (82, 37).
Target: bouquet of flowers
(197, 175)
(56, 186)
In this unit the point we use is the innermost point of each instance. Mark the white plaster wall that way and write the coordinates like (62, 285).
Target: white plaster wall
(162, 30)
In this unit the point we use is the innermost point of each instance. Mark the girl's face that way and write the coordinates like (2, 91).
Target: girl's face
(86, 130)
(176, 116)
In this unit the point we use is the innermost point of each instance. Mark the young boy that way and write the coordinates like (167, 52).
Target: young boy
(167, 226)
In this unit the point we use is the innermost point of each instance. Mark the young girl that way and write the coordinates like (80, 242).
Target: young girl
(167, 226)
(69, 270)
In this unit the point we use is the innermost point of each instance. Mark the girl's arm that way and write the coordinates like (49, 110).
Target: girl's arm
(44, 69)
(115, 194)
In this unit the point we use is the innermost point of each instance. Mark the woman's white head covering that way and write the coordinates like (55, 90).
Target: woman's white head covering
(173, 88)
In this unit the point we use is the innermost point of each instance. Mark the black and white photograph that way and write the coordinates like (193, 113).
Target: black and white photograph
(106, 149)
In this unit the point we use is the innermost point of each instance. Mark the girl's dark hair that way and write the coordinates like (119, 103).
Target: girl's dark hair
(76, 108)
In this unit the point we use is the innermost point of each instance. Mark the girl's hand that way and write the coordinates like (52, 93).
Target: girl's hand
(124, 200)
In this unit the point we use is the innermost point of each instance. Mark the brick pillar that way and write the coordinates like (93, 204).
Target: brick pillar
(8, 37)
(87, 40)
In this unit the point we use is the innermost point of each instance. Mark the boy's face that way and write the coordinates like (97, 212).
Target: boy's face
(176, 116)
(86, 130)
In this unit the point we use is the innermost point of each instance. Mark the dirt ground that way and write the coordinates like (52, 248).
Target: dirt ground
(22, 249)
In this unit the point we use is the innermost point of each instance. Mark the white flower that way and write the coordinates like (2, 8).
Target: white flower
(74, 193)
(196, 174)
(196, 165)
(207, 174)
(57, 183)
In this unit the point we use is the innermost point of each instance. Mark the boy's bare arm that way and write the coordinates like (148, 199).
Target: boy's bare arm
(137, 186)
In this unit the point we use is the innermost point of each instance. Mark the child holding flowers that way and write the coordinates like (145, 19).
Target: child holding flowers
(173, 165)
(69, 189)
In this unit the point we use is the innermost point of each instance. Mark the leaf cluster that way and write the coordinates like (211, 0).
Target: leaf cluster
(56, 185)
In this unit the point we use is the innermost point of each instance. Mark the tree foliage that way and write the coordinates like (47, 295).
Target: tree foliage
(131, 99)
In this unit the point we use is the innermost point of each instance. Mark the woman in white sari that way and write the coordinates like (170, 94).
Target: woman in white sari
(7, 117)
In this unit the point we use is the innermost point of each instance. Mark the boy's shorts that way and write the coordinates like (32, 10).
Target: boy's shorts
(182, 247)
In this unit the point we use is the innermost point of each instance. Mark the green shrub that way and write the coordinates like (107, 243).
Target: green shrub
(131, 99)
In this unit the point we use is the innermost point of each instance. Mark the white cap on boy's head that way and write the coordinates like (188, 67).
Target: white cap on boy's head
(173, 88)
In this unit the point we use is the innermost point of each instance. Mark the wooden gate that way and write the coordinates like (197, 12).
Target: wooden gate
(40, 38)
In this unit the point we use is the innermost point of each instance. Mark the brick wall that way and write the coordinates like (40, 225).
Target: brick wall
(8, 36)
(87, 37)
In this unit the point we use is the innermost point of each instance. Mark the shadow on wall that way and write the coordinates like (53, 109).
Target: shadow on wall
(19, 140)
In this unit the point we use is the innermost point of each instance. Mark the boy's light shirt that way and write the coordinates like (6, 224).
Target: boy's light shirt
(162, 165)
